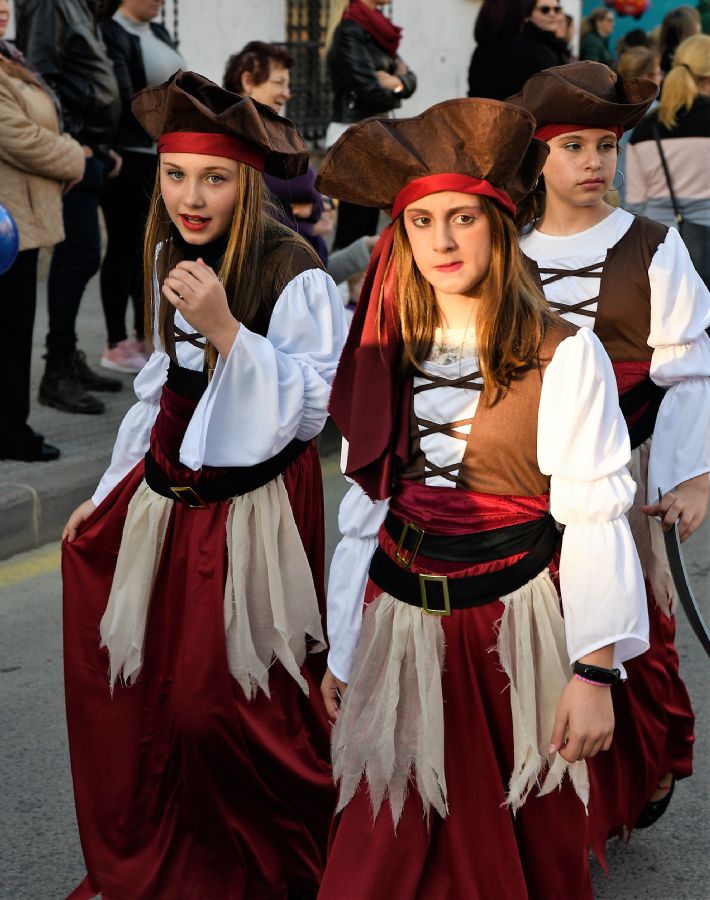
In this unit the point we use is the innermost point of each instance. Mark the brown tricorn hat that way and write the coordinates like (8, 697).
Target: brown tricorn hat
(483, 139)
(585, 93)
(189, 103)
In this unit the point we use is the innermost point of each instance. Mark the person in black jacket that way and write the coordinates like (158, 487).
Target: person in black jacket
(514, 40)
(368, 79)
(143, 54)
(62, 41)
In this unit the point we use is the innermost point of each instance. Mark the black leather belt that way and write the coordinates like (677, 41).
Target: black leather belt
(233, 483)
(647, 394)
(439, 594)
(471, 548)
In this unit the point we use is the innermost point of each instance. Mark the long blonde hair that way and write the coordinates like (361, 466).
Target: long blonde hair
(511, 311)
(336, 8)
(691, 66)
(252, 233)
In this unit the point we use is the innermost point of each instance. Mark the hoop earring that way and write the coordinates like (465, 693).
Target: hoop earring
(163, 221)
(615, 187)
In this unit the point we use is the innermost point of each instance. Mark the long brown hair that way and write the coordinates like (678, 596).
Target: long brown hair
(510, 313)
(252, 234)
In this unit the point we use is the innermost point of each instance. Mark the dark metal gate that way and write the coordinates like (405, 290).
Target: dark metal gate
(310, 103)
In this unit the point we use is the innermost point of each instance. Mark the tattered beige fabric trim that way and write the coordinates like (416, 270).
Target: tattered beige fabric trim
(391, 724)
(122, 626)
(533, 652)
(648, 536)
(270, 604)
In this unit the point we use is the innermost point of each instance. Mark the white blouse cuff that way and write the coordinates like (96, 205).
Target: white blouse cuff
(673, 363)
(680, 448)
(603, 592)
(591, 502)
(359, 520)
(346, 593)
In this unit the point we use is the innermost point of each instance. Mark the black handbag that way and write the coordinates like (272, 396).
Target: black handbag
(695, 236)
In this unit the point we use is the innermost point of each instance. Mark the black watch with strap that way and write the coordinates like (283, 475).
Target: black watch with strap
(597, 673)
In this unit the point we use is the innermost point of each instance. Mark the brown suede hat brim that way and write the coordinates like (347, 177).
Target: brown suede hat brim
(190, 102)
(585, 93)
(486, 139)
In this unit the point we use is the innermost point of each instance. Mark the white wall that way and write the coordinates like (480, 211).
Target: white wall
(437, 44)
(211, 30)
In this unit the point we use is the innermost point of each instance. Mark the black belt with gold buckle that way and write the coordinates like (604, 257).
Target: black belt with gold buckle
(468, 548)
(231, 483)
(439, 594)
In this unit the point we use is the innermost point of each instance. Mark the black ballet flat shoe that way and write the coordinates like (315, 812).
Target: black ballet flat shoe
(654, 809)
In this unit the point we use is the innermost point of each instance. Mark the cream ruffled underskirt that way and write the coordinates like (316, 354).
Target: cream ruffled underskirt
(270, 604)
(648, 535)
(391, 724)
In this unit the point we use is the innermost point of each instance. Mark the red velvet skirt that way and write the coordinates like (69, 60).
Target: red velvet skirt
(480, 851)
(654, 730)
(653, 734)
(185, 789)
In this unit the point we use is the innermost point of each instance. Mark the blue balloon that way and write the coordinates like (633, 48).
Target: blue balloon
(9, 240)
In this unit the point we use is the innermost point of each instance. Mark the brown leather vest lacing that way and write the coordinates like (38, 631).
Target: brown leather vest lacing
(622, 318)
(580, 308)
(424, 428)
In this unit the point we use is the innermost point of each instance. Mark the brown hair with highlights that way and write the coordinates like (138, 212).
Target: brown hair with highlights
(511, 311)
(253, 234)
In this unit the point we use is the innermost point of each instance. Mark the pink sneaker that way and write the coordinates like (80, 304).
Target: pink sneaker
(122, 358)
(139, 347)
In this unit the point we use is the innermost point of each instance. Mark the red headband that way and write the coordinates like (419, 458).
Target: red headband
(463, 184)
(206, 144)
(554, 130)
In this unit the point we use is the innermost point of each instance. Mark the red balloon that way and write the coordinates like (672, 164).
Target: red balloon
(635, 8)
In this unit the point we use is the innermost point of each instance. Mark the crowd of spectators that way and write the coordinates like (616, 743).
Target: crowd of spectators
(74, 149)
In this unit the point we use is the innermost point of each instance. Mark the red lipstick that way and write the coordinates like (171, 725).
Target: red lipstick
(449, 267)
(194, 223)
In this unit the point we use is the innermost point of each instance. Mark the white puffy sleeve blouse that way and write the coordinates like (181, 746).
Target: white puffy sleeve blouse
(680, 313)
(583, 445)
(266, 392)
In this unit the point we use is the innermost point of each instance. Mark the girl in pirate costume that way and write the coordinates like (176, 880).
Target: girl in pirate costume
(474, 419)
(632, 281)
(200, 763)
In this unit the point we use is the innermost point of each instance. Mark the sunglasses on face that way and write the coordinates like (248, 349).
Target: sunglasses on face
(546, 10)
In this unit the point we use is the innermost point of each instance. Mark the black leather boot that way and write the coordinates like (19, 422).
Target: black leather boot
(89, 379)
(28, 446)
(61, 388)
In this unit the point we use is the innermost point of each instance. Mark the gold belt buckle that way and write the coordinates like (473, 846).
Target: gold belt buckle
(186, 494)
(400, 555)
(444, 581)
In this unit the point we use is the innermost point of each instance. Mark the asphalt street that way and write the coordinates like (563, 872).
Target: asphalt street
(40, 855)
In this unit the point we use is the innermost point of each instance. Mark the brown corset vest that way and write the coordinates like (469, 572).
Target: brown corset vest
(622, 320)
(501, 448)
